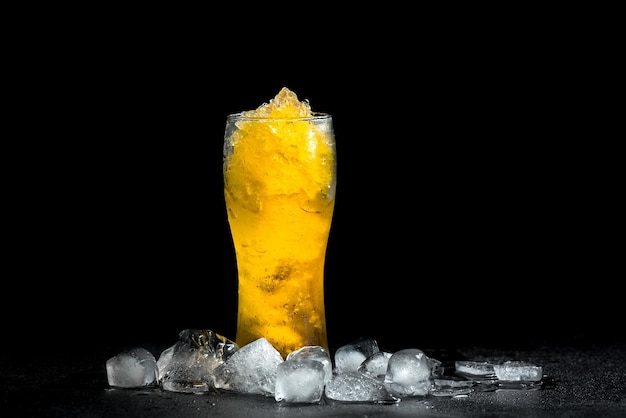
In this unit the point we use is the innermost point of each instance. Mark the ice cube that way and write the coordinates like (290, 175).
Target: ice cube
(516, 371)
(252, 369)
(187, 365)
(300, 380)
(452, 386)
(133, 368)
(354, 386)
(376, 365)
(474, 368)
(315, 352)
(349, 357)
(409, 373)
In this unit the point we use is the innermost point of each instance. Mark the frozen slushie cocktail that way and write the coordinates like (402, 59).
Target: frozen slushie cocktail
(279, 185)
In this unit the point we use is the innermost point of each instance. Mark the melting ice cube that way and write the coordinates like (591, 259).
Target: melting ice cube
(300, 380)
(187, 366)
(252, 369)
(474, 368)
(354, 386)
(133, 368)
(409, 373)
(514, 371)
(349, 357)
(376, 365)
(315, 352)
(452, 386)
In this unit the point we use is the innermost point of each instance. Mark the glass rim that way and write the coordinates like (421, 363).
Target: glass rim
(239, 116)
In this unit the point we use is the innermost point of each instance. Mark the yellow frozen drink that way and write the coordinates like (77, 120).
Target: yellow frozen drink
(279, 186)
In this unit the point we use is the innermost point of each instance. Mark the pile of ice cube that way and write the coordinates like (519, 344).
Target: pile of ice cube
(201, 361)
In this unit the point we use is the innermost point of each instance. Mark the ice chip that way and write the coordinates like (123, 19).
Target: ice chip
(409, 373)
(252, 369)
(300, 380)
(518, 371)
(349, 357)
(353, 386)
(315, 352)
(131, 369)
(474, 368)
(452, 386)
(187, 366)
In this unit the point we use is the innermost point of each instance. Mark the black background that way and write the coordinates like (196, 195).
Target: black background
(477, 200)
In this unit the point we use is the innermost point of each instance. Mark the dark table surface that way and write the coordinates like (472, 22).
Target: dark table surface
(585, 379)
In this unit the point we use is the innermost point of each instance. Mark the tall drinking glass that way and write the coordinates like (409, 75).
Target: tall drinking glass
(279, 186)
